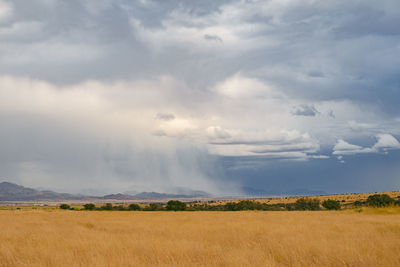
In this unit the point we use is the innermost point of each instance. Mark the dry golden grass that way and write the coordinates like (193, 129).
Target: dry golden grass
(84, 238)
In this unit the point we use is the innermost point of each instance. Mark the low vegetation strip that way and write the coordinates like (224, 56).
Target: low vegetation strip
(245, 238)
(376, 200)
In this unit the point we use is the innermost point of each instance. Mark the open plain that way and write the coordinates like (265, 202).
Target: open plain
(46, 237)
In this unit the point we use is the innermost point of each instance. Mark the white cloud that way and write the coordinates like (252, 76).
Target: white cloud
(272, 143)
(342, 146)
(97, 132)
(239, 86)
(177, 128)
(153, 91)
(217, 133)
(230, 119)
(384, 142)
(359, 126)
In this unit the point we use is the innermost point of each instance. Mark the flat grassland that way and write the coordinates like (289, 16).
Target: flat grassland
(248, 238)
(343, 198)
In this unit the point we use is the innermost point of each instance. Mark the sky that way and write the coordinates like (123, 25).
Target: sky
(106, 96)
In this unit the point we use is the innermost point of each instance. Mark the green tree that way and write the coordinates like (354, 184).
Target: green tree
(134, 207)
(245, 205)
(89, 206)
(65, 206)
(154, 207)
(307, 204)
(119, 207)
(176, 205)
(397, 202)
(331, 204)
(107, 206)
(231, 206)
(379, 200)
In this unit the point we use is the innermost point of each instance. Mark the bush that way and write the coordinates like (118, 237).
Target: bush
(89, 206)
(134, 207)
(176, 205)
(245, 205)
(307, 204)
(380, 200)
(397, 202)
(358, 203)
(119, 207)
(232, 206)
(65, 207)
(107, 206)
(331, 204)
(154, 207)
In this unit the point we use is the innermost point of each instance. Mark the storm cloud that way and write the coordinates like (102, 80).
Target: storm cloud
(107, 96)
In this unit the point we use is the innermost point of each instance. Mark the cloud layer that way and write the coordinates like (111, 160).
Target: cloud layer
(151, 95)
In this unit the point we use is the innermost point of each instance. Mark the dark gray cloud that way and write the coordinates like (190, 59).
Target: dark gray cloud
(212, 37)
(325, 50)
(179, 88)
(305, 110)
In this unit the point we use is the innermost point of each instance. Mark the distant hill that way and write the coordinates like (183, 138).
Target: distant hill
(14, 192)
(119, 196)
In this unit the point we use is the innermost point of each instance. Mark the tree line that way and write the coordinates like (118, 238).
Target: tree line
(376, 200)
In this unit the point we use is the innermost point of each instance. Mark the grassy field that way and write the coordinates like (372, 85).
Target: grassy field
(367, 237)
(343, 198)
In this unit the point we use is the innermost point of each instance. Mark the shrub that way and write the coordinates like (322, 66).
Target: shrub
(231, 206)
(245, 205)
(119, 207)
(134, 207)
(331, 204)
(89, 206)
(249, 205)
(65, 207)
(357, 203)
(107, 206)
(397, 202)
(307, 204)
(379, 200)
(176, 205)
(154, 207)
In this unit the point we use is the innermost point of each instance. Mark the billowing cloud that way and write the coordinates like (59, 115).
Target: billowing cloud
(155, 94)
(384, 142)
(71, 137)
(344, 148)
(274, 143)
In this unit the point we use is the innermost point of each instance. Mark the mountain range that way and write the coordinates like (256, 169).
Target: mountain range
(14, 192)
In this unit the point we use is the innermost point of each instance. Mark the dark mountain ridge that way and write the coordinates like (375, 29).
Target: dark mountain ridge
(14, 192)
